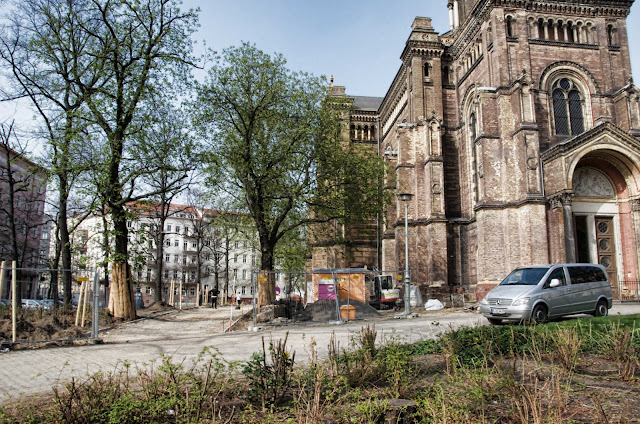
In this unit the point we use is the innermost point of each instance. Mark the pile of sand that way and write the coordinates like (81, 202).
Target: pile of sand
(325, 310)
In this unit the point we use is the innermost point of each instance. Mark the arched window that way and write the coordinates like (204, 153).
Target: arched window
(567, 108)
(472, 127)
(427, 72)
(446, 80)
(352, 133)
(510, 26)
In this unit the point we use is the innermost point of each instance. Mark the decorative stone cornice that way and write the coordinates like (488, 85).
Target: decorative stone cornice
(573, 143)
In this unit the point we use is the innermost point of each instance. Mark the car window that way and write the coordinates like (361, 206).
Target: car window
(556, 273)
(586, 274)
(525, 276)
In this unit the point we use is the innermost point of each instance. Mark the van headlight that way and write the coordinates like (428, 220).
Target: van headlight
(485, 301)
(521, 301)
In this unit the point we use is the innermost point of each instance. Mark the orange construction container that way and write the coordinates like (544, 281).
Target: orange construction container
(347, 312)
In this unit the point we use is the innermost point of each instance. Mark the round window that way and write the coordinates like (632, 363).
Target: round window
(603, 227)
(605, 261)
(604, 244)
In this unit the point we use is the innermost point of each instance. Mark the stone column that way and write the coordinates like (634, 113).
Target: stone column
(569, 235)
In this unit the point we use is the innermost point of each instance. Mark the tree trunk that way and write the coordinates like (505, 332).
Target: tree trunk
(121, 298)
(266, 279)
(65, 249)
(157, 295)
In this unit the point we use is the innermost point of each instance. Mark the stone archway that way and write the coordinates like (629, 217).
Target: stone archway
(603, 222)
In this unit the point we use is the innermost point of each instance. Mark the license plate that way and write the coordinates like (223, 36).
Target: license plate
(495, 311)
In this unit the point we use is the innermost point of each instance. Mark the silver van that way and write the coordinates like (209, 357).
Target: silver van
(539, 292)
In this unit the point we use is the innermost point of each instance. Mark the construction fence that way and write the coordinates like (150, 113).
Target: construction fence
(325, 295)
(28, 313)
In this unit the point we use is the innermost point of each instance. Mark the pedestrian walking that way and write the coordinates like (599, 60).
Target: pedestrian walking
(214, 298)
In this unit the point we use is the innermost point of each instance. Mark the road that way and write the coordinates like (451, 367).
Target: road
(183, 335)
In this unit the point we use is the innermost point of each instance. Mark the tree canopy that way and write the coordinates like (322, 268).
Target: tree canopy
(277, 145)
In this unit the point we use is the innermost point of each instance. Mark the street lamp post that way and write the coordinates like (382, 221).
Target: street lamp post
(406, 197)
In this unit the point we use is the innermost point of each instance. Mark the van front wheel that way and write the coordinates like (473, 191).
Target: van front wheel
(602, 309)
(539, 315)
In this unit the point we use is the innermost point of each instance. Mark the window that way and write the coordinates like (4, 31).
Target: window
(177, 229)
(243, 290)
(193, 274)
(235, 273)
(244, 259)
(567, 108)
(473, 133)
(166, 273)
(176, 258)
(235, 245)
(168, 227)
(192, 291)
(427, 70)
(175, 274)
(244, 274)
(168, 243)
(147, 290)
(167, 258)
(556, 274)
(176, 243)
(194, 244)
(193, 259)
(185, 245)
(509, 26)
(235, 258)
(184, 260)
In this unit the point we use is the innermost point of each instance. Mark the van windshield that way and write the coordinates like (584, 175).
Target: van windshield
(525, 276)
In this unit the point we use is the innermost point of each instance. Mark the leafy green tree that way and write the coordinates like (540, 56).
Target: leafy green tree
(43, 48)
(276, 138)
(144, 48)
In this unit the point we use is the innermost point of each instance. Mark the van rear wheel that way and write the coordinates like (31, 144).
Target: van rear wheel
(602, 309)
(539, 315)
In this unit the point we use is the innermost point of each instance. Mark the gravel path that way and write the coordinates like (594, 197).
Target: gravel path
(183, 334)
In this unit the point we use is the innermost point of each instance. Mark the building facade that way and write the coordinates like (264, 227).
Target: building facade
(24, 226)
(201, 250)
(517, 133)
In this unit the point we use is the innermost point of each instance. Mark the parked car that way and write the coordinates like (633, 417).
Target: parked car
(538, 293)
(48, 303)
(31, 303)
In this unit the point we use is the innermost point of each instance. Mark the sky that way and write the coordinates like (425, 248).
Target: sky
(358, 41)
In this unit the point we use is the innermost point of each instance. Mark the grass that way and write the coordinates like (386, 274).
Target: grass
(572, 371)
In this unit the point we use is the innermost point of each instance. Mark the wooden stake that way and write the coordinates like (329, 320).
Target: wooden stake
(180, 295)
(1, 277)
(78, 311)
(84, 303)
(197, 295)
(14, 303)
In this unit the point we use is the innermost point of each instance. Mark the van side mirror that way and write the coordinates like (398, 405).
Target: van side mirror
(554, 283)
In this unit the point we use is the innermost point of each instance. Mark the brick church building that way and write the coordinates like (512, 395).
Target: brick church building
(517, 133)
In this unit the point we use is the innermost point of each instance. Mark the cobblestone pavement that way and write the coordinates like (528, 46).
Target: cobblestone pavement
(183, 335)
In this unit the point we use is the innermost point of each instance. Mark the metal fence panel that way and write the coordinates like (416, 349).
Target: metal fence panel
(36, 318)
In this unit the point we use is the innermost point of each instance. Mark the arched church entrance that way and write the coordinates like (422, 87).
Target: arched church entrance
(603, 221)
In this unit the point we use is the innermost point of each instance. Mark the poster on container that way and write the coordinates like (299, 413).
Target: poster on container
(326, 288)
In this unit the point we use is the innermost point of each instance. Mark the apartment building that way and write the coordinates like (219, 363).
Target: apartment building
(200, 250)
(23, 223)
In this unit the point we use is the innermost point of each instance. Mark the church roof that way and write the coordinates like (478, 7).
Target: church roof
(367, 103)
